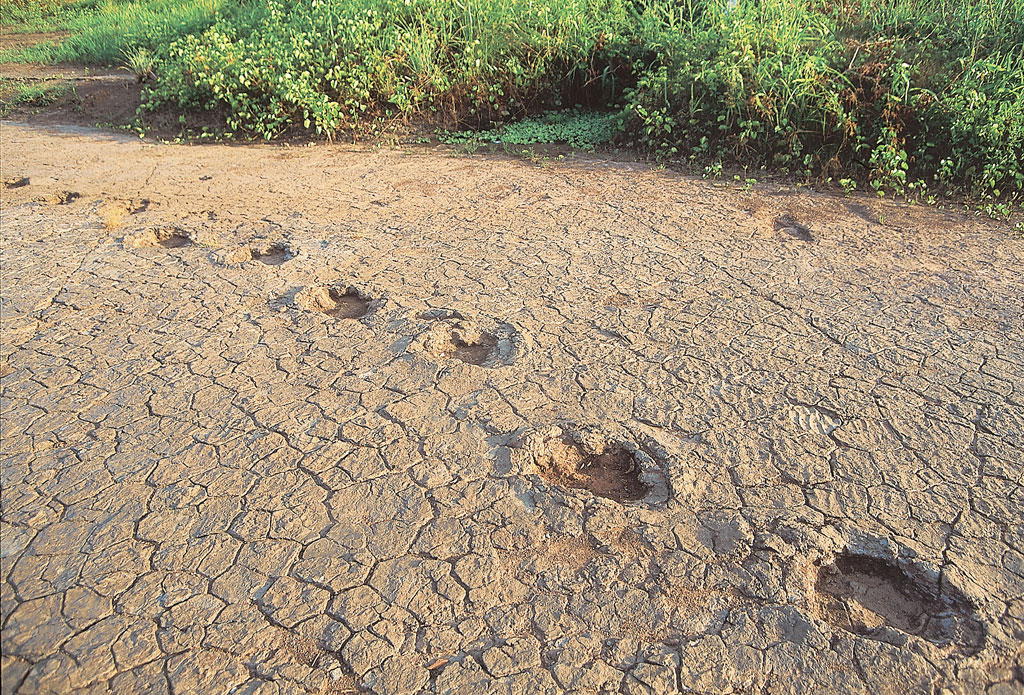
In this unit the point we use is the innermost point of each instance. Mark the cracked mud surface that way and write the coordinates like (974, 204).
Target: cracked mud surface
(207, 488)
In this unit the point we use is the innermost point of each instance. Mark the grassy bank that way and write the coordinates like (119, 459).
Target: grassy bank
(902, 95)
(102, 32)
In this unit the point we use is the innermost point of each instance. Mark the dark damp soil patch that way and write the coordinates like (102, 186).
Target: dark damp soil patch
(614, 473)
(789, 226)
(274, 254)
(344, 303)
(868, 596)
(81, 95)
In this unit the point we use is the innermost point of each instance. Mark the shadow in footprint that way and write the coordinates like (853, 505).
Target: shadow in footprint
(344, 303)
(787, 224)
(474, 351)
(274, 254)
(869, 596)
(59, 198)
(173, 242)
(613, 473)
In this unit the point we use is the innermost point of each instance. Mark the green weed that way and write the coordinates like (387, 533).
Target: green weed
(103, 30)
(903, 97)
(29, 94)
(582, 130)
(139, 61)
(22, 16)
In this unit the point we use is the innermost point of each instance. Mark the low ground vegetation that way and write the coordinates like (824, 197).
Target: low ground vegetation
(905, 96)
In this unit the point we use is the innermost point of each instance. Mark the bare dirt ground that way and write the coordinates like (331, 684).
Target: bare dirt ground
(322, 420)
(85, 97)
(12, 40)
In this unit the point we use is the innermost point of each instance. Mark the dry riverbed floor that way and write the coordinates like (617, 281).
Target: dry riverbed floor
(325, 420)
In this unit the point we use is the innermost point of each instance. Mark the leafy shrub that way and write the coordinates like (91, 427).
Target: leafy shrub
(324, 65)
(902, 94)
(849, 87)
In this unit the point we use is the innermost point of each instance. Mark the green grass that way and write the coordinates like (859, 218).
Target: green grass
(102, 31)
(16, 94)
(905, 96)
(23, 16)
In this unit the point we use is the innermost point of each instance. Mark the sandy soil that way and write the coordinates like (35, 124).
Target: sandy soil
(324, 420)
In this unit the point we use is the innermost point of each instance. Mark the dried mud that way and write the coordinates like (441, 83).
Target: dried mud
(338, 302)
(288, 428)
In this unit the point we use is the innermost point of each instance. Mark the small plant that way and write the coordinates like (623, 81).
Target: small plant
(29, 94)
(848, 185)
(579, 129)
(140, 61)
(713, 171)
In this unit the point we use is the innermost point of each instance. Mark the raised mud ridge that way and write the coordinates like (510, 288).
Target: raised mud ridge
(872, 597)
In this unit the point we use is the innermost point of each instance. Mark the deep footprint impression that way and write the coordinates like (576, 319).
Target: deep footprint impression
(452, 336)
(865, 595)
(471, 347)
(269, 253)
(344, 303)
(790, 225)
(588, 461)
(272, 254)
(166, 237)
